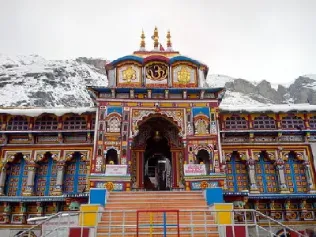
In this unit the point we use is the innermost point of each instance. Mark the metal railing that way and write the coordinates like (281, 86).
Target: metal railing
(164, 223)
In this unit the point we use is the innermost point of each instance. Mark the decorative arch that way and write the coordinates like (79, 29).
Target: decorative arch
(173, 116)
(113, 122)
(201, 124)
(204, 156)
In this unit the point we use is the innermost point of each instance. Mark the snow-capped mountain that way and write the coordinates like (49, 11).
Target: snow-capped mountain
(32, 81)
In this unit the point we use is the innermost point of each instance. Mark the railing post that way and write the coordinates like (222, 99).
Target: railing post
(178, 222)
(137, 223)
(164, 224)
(255, 218)
(191, 223)
(81, 234)
(246, 222)
(123, 227)
(233, 226)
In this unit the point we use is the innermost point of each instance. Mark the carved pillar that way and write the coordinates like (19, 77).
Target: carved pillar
(58, 189)
(310, 184)
(279, 163)
(6, 212)
(23, 213)
(3, 176)
(251, 172)
(31, 170)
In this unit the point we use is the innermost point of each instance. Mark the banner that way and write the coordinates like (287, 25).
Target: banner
(116, 170)
(194, 169)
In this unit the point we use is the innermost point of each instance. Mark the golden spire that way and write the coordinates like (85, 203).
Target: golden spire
(169, 44)
(156, 38)
(142, 42)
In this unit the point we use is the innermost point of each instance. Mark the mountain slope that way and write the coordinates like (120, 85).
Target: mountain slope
(32, 81)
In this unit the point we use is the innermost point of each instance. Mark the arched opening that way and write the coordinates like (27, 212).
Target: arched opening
(75, 175)
(203, 156)
(111, 157)
(157, 148)
(46, 175)
(16, 176)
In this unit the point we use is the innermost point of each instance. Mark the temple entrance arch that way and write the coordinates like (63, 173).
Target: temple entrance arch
(157, 153)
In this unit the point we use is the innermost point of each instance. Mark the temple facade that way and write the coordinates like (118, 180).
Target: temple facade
(158, 126)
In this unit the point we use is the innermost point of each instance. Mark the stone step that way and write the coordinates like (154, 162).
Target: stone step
(120, 229)
(146, 234)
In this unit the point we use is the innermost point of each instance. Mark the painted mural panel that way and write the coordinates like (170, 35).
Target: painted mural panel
(129, 76)
(184, 76)
(156, 74)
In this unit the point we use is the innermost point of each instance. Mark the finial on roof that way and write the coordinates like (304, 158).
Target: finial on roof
(156, 38)
(169, 44)
(142, 42)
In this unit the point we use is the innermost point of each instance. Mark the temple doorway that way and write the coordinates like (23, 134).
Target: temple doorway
(157, 154)
(157, 164)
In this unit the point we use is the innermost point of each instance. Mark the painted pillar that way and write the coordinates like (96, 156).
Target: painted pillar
(252, 175)
(311, 187)
(280, 169)
(31, 170)
(3, 176)
(58, 189)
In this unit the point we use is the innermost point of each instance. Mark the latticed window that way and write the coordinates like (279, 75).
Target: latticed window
(46, 123)
(236, 122)
(293, 122)
(266, 175)
(237, 175)
(16, 177)
(312, 122)
(46, 176)
(75, 122)
(75, 175)
(295, 175)
(264, 122)
(17, 123)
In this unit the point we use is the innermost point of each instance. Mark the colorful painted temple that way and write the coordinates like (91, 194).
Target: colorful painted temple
(158, 126)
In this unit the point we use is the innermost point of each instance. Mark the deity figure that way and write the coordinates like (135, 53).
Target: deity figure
(200, 127)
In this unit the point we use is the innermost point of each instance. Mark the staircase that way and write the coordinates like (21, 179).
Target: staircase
(120, 215)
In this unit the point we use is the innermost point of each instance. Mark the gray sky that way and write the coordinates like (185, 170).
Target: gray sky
(251, 39)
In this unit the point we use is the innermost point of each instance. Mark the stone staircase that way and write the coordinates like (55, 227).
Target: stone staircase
(120, 216)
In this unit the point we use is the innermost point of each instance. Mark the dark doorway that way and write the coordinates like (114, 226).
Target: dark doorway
(157, 163)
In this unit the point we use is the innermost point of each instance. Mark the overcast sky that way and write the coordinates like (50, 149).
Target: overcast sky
(251, 39)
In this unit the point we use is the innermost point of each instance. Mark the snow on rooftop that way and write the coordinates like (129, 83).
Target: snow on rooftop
(276, 108)
(34, 112)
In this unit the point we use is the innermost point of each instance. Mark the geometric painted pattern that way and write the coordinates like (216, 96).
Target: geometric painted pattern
(16, 177)
(75, 175)
(266, 175)
(46, 175)
(237, 175)
(295, 176)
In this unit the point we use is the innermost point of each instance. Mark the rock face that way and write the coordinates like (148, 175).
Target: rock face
(32, 81)
(302, 90)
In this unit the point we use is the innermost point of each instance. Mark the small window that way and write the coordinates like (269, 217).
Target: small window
(264, 122)
(75, 123)
(18, 123)
(292, 122)
(46, 123)
(236, 122)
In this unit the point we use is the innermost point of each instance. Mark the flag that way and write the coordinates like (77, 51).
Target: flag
(161, 48)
